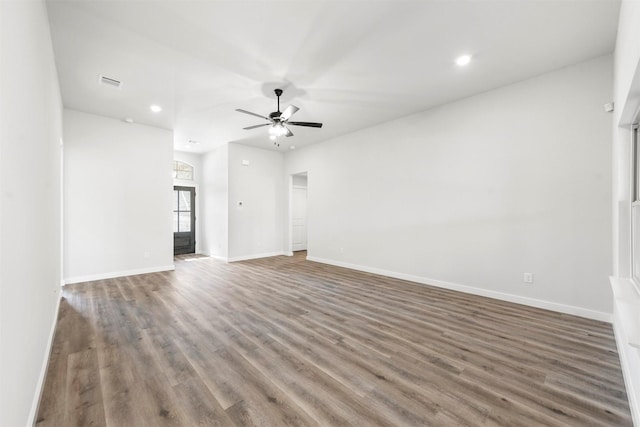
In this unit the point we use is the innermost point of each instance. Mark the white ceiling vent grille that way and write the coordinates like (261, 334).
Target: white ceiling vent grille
(108, 81)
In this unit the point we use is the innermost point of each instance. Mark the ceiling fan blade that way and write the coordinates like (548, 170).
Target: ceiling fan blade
(256, 126)
(252, 114)
(288, 112)
(307, 124)
(289, 133)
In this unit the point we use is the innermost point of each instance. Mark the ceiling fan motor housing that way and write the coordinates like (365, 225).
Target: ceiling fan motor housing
(276, 114)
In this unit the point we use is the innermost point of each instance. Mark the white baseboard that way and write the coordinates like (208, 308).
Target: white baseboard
(111, 275)
(255, 256)
(218, 257)
(547, 305)
(45, 364)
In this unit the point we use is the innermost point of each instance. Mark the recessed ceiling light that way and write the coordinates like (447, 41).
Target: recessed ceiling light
(293, 147)
(463, 60)
(128, 119)
(156, 108)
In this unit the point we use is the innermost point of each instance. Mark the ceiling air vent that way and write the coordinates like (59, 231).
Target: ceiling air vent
(108, 81)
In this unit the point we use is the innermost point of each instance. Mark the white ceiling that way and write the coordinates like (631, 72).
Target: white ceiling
(349, 64)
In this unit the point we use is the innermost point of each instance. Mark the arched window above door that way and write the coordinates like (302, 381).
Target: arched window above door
(182, 170)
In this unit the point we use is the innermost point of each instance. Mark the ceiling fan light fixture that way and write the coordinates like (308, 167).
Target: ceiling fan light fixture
(277, 129)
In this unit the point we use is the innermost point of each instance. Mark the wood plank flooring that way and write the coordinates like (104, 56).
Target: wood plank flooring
(285, 341)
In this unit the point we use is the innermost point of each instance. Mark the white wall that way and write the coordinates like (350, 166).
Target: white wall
(214, 200)
(117, 198)
(627, 105)
(194, 160)
(30, 137)
(473, 194)
(256, 228)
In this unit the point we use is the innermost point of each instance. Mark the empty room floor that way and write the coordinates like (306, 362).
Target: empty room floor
(285, 341)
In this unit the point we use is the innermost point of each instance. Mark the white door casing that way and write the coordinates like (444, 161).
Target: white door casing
(299, 219)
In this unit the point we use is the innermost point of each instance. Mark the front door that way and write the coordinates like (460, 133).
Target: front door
(184, 220)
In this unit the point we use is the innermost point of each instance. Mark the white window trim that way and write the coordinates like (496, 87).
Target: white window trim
(634, 177)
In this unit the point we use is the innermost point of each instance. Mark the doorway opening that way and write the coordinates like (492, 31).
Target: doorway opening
(184, 220)
(299, 184)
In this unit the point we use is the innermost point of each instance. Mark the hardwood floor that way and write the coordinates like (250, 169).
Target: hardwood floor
(284, 341)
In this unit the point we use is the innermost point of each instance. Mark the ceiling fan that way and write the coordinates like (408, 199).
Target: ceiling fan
(278, 120)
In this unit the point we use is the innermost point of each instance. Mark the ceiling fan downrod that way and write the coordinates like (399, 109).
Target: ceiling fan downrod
(278, 93)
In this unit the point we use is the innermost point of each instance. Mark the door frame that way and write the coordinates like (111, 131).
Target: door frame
(290, 187)
(194, 207)
(294, 196)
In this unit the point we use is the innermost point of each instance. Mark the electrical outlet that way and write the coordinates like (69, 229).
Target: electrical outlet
(528, 278)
